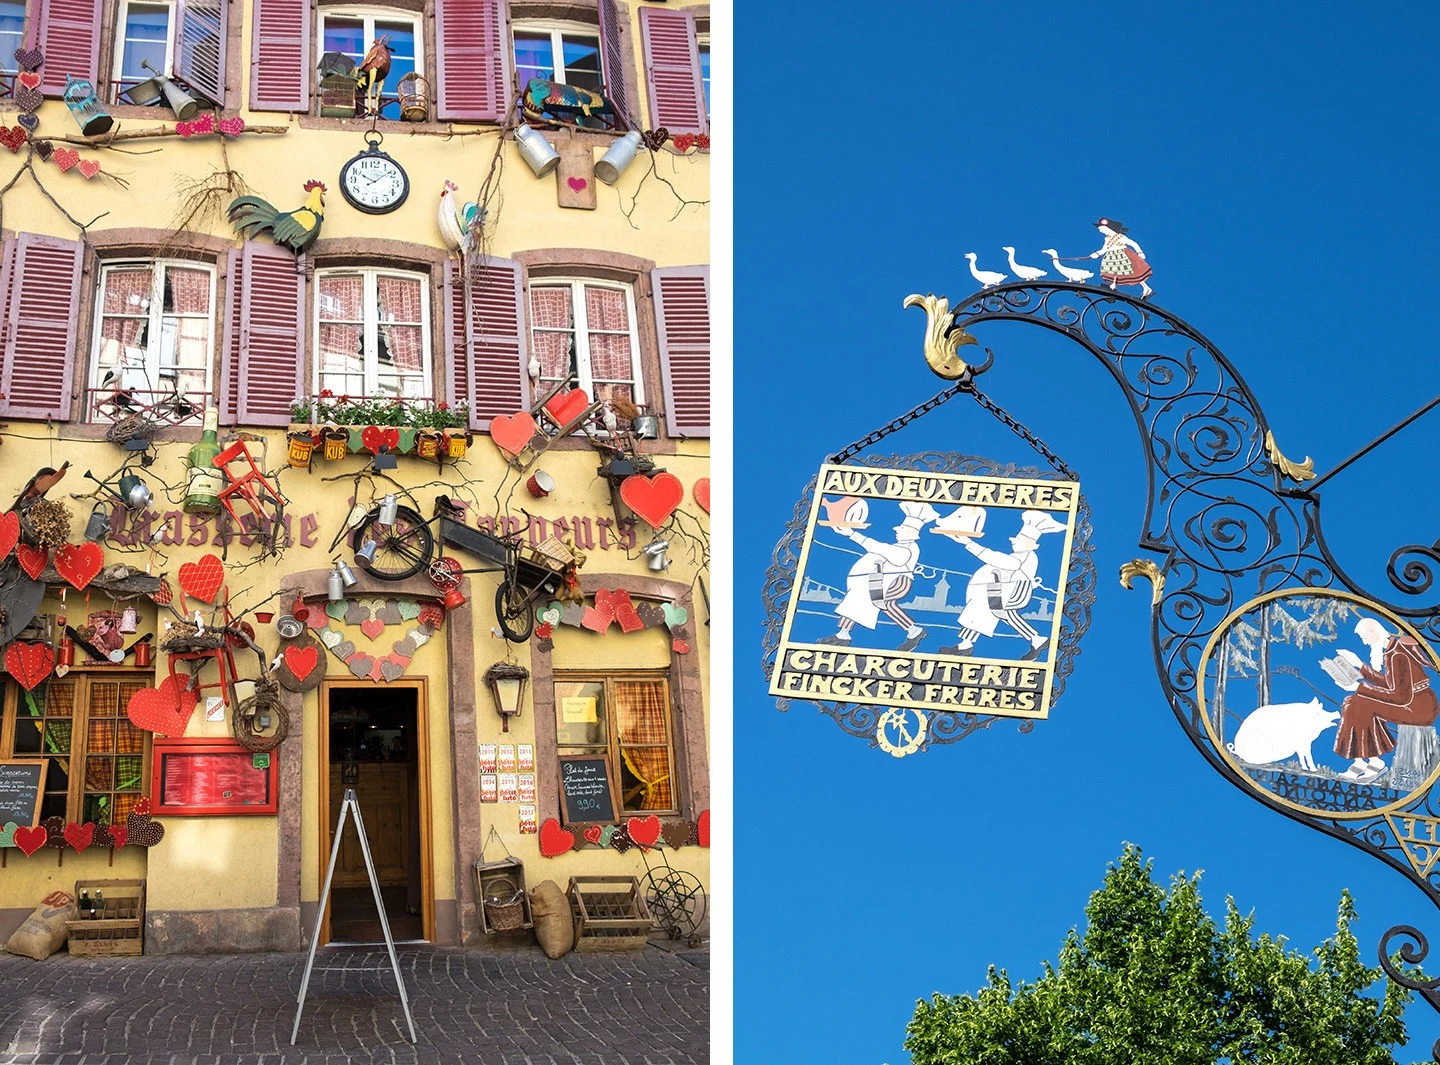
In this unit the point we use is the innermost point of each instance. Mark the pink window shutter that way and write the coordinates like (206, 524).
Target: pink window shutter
(268, 376)
(472, 59)
(280, 64)
(672, 71)
(41, 280)
(682, 320)
(614, 52)
(229, 403)
(200, 47)
(495, 340)
(68, 31)
(457, 355)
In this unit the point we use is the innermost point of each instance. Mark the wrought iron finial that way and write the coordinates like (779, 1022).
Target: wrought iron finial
(1144, 567)
(1299, 472)
(941, 342)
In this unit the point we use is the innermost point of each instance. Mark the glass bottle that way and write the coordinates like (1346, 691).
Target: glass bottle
(205, 481)
(97, 908)
(84, 907)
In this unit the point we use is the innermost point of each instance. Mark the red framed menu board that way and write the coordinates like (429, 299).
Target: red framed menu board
(201, 776)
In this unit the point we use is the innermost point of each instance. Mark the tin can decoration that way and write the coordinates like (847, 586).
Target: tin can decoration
(540, 484)
(427, 444)
(456, 445)
(336, 444)
(142, 653)
(302, 445)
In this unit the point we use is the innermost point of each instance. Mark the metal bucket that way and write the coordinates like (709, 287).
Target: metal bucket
(620, 155)
(536, 151)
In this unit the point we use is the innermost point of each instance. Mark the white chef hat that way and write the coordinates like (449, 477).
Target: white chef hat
(1034, 523)
(918, 515)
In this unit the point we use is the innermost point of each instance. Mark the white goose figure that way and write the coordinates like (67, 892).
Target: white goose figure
(1069, 273)
(987, 278)
(1024, 273)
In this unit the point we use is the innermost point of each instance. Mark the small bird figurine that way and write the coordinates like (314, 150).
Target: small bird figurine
(44, 480)
(1024, 273)
(297, 229)
(608, 419)
(373, 71)
(534, 370)
(1069, 273)
(987, 278)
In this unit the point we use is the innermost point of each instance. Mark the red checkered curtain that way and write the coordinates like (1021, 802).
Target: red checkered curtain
(640, 712)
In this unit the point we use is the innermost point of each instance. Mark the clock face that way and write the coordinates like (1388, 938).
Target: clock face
(374, 182)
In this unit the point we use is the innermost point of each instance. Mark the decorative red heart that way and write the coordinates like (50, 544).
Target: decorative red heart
(545, 630)
(13, 137)
(702, 829)
(164, 710)
(142, 806)
(680, 647)
(374, 438)
(302, 660)
(65, 158)
(567, 406)
(205, 123)
(702, 493)
(185, 129)
(80, 836)
(30, 79)
(202, 580)
(625, 611)
(89, 167)
(79, 563)
(33, 560)
(593, 833)
(576, 183)
(164, 594)
(513, 433)
(31, 840)
(652, 498)
(554, 840)
(142, 831)
(598, 618)
(232, 126)
(120, 835)
(9, 532)
(29, 663)
(683, 141)
(644, 830)
(372, 627)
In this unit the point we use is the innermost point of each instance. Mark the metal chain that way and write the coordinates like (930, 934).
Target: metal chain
(965, 384)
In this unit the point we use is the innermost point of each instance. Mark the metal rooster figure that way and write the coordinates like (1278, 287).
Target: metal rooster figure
(1310, 694)
(297, 229)
(373, 71)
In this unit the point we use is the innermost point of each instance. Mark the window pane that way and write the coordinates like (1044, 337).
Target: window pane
(582, 61)
(187, 291)
(534, 57)
(605, 308)
(344, 35)
(127, 290)
(12, 27)
(580, 714)
(401, 348)
(147, 32)
(399, 298)
(342, 298)
(705, 75)
(610, 357)
(551, 333)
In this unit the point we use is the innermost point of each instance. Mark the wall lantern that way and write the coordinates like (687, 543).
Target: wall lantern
(507, 686)
(536, 150)
(618, 158)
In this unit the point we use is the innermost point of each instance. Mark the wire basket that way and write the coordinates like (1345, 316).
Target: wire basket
(504, 904)
(413, 93)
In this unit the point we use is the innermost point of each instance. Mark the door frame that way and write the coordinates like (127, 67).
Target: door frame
(421, 687)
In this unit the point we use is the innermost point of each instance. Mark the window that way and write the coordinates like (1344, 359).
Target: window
(566, 52)
(626, 717)
(97, 757)
(702, 46)
(153, 339)
(142, 36)
(373, 334)
(12, 33)
(351, 31)
(596, 321)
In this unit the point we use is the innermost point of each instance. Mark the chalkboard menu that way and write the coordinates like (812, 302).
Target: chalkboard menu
(586, 791)
(22, 785)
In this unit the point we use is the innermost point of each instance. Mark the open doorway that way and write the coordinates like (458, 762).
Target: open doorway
(373, 740)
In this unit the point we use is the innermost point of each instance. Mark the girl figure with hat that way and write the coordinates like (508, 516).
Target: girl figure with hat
(882, 577)
(1121, 260)
(1000, 588)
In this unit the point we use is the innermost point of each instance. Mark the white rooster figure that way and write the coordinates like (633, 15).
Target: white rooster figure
(1024, 273)
(459, 226)
(987, 278)
(1069, 273)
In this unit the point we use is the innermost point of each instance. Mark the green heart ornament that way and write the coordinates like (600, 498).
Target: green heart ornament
(409, 608)
(675, 616)
(7, 834)
(337, 610)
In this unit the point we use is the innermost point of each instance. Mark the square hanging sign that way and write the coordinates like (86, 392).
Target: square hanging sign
(929, 595)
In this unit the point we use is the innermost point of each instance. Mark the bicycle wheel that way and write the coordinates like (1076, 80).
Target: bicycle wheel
(516, 617)
(676, 900)
(401, 550)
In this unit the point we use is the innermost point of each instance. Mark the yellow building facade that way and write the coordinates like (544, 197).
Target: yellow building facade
(131, 305)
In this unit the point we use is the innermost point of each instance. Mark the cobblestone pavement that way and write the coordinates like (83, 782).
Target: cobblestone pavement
(636, 1008)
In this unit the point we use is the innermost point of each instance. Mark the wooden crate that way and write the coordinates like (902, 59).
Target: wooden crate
(487, 873)
(118, 929)
(610, 913)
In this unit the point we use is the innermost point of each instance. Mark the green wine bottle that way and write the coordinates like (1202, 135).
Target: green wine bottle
(202, 494)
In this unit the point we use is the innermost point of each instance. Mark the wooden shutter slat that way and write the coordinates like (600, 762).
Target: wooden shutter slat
(495, 341)
(457, 358)
(682, 321)
(230, 359)
(69, 33)
(672, 71)
(200, 47)
(272, 323)
(472, 59)
(280, 56)
(42, 285)
(613, 53)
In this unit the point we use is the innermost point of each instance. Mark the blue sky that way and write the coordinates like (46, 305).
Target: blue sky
(1279, 172)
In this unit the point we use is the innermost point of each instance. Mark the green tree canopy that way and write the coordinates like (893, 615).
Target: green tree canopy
(1154, 981)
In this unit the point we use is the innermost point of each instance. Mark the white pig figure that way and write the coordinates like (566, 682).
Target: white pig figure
(1274, 732)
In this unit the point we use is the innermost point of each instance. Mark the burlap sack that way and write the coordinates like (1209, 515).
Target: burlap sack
(43, 932)
(554, 926)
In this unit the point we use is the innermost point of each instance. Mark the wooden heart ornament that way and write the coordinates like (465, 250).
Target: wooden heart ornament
(554, 840)
(652, 498)
(702, 829)
(33, 560)
(374, 438)
(678, 833)
(601, 616)
(302, 664)
(7, 834)
(119, 835)
(80, 836)
(142, 831)
(9, 532)
(512, 434)
(644, 831)
(372, 627)
(13, 137)
(625, 613)
(592, 833)
(29, 663)
(79, 564)
(302, 660)
(702, 493)
(202, 579)
(30, 840)
(164, 710)
(565, 407)
(101, 838)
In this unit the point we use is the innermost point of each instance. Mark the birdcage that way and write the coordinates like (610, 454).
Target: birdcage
(337, 96)
(414, 93)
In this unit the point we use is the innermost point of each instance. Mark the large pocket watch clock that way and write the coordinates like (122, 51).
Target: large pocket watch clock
(372, 181)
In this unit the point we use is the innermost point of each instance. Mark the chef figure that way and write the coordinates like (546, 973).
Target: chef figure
(882, 577)
(1002, 587)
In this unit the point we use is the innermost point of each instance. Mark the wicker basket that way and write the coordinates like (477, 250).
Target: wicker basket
(119, 928)
(504, 905)
(556, 552)
(610, 913)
